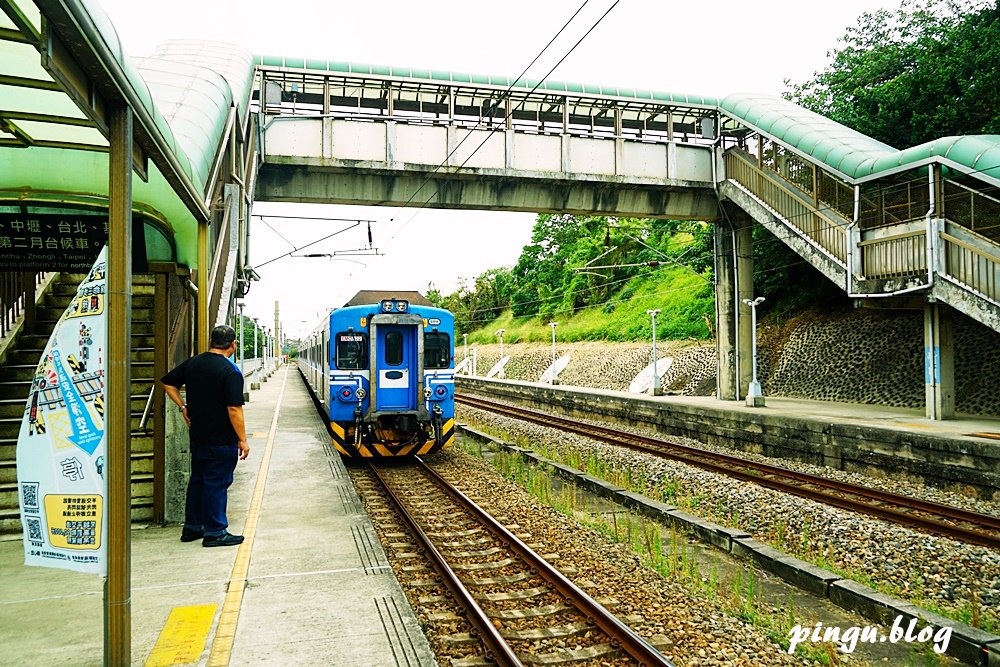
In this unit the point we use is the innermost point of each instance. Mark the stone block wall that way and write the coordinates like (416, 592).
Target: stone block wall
(852, 356)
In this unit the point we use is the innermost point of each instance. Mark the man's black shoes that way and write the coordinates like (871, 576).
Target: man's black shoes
(224, 540)
(191, 535)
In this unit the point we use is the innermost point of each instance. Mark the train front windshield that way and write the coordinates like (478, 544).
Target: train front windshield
(437, 350)
(352, 351)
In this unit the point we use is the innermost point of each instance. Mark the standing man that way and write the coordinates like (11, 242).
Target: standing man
(214, 415)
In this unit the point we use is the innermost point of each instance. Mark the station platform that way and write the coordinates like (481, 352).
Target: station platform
(310, 585)
(875, 416)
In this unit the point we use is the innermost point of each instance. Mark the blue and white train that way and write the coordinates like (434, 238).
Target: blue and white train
(382, 369)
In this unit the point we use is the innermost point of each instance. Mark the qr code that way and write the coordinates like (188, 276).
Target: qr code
(34, 527)
(29, 496)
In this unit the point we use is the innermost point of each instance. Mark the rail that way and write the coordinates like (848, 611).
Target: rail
(500, 650)
(620, 634)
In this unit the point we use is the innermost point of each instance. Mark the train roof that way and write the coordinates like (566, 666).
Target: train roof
(365, 297)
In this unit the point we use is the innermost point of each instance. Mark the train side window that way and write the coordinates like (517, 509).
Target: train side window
(352, 351)
(393, 348)
(437, 349)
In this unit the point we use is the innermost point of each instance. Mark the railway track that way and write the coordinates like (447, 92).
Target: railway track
(523, 609)
(948, 521)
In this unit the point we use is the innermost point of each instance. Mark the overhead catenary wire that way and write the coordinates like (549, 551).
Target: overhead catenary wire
(293, 250)
(790, 233)
(609, 302)
(506, 94)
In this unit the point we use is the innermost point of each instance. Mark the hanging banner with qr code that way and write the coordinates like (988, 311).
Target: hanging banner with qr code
(60, 449)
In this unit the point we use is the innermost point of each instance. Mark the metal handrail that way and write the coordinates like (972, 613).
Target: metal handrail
(148, 409)
(819, 226)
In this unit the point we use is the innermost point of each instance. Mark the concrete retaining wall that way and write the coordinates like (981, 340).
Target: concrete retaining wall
(952, 463)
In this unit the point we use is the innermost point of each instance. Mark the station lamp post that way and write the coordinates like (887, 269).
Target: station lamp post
(242, 354)
(465, 340)
(255, 327)
(254, 371)
(499, 332)
(265, 351)
(655, 390)
(755, 398)
(239, 352)
(552, 380)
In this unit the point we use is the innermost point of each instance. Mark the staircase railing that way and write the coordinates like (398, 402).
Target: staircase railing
(961, 248)
(17, 298)
(971, 261)
(825, 231)
(899, 255)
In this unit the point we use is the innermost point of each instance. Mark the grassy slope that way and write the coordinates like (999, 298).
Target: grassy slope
(684, 298)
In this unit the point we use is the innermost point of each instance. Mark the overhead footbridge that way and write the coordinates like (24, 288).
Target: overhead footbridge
(875, 220)
(919, 227)
(162, 158)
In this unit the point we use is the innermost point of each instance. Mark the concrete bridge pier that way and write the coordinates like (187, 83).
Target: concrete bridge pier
(734, 284)
(939, 362)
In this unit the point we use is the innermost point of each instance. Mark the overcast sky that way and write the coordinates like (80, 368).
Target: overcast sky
(717, 48)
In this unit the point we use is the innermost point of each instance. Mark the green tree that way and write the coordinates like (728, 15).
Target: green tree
(542, 275)
(926, 70)
(480, 301)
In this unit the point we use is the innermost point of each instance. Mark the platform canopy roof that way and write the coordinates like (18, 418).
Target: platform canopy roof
(63, 68)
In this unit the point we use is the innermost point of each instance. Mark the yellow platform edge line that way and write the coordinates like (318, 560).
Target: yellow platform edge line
(225, 633)
(183, 636)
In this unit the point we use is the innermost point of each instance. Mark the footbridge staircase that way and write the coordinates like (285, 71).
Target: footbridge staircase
(929, 225)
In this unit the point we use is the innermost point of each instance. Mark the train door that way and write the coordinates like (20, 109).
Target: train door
(397, 367)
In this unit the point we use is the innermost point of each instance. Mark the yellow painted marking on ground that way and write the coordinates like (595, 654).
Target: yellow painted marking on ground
(259, 434)
(915, 425)
(986, 434)
(183, 636)
(225, 633)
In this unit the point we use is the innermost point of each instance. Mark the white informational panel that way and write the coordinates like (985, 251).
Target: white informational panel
(555, 369)
(644, 380)
(498, 367)
(61, 446)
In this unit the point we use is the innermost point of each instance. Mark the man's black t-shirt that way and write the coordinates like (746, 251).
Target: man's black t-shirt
(213, 383)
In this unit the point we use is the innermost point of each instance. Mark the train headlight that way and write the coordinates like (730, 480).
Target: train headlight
(427, 392)
(394, 305)
(360, 393)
